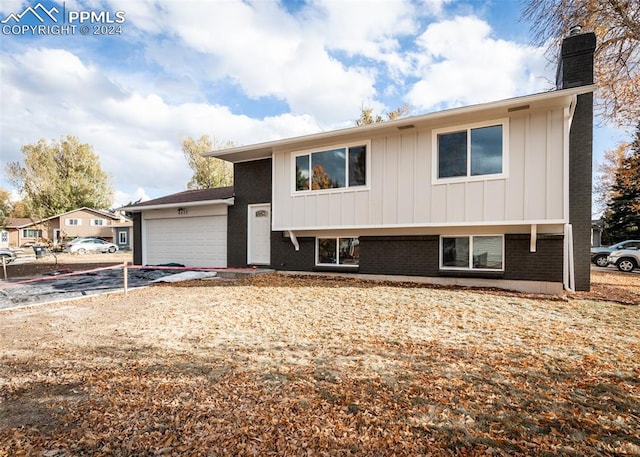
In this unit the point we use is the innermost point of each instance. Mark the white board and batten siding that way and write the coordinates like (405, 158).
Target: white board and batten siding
(402, 193)
(192, 236)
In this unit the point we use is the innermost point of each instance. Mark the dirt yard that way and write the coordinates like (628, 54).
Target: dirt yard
(295, 366)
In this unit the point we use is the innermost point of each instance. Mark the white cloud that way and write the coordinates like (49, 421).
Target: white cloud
(53, 93)
(11, 6)
(121, 199)
(457, 68)
(192, 69)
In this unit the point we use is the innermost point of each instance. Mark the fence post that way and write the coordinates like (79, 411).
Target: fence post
(4, 267)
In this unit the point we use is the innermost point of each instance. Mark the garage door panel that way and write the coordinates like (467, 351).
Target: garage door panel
(194, 241)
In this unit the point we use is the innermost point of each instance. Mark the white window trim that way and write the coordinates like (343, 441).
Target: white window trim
(38, 233)
(121, 235)
(468, 127)
(337, 240)
(68, 223)
(94, 222)
(470, 268)
(296, 154)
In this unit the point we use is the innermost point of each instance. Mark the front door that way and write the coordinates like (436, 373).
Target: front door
(259, 235)
(56, 236)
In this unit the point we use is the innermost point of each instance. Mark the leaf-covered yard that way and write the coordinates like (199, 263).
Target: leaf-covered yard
(308, 366)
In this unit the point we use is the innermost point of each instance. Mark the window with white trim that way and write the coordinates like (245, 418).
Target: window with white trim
(73, 222)
(31, 233)
(474, 252)
(336, 168)
(122, 237)
(471, 152)
(338, 251)
(98, 222)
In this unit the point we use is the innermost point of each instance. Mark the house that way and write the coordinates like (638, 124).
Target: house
(189, 228)
(496, 194)
(79, 222)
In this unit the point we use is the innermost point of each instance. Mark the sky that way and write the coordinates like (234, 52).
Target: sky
(132, 78)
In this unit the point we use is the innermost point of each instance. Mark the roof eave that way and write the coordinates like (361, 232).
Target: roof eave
(139, 209)
(265, 150)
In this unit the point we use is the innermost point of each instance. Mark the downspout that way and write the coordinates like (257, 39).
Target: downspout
(294, 240)
(569, 267)
(568, 259)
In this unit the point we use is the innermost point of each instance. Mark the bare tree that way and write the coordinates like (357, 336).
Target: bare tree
(368, 117)
(616, 24)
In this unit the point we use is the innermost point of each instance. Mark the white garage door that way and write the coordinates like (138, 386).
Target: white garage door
(190, 241)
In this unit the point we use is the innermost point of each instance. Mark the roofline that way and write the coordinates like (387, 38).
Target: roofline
(138, 209)
(265, 150)
(41, 221)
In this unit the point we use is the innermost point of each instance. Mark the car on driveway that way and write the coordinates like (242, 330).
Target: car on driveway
(7, 255)
(599, 255)
(84, 245)
(626, 260)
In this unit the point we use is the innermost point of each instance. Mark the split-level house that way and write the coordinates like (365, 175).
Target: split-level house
(496, 194)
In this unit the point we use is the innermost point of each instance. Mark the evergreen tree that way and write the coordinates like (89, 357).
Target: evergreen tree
(622, 217)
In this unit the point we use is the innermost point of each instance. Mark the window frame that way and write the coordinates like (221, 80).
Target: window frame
(470, 237)
(332, 147)
(435, 179)
(337, 241)
(73, 222)
(37, 232)
(98, 222)
(122, 237)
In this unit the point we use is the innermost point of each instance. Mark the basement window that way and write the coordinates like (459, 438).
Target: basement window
(337, 251)
(480, 252)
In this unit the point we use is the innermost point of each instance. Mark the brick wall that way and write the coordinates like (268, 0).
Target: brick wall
(285, 257)
(399, 255)
(576, 69)
(419, 256)
(580, 177)
(254, 186)
(543, 265)
(137, 238)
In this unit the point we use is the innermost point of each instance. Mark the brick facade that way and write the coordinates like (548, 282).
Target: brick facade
(255, 177)
(543, 265)
(399, 255)
(576, 69)
(419, 256)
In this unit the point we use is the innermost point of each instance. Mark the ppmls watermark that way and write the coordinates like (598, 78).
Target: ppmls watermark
(40, 20)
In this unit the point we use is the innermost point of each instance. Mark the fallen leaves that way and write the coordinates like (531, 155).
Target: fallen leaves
(291, 366)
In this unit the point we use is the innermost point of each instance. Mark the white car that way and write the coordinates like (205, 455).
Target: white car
(84, 245)
(626, 259)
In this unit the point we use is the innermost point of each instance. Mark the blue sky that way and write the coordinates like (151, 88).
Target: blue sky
(248, 72)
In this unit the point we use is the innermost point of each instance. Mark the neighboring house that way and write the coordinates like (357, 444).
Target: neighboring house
(79, 222)
(187, 228)
(496, 194)
(597, 226)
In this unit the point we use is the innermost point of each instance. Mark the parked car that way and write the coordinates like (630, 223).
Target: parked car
(7, 255)
(626, 259)
(599, 255)
(84, 245)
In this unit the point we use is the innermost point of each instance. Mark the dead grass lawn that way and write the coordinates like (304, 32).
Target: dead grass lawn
(302, 366)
